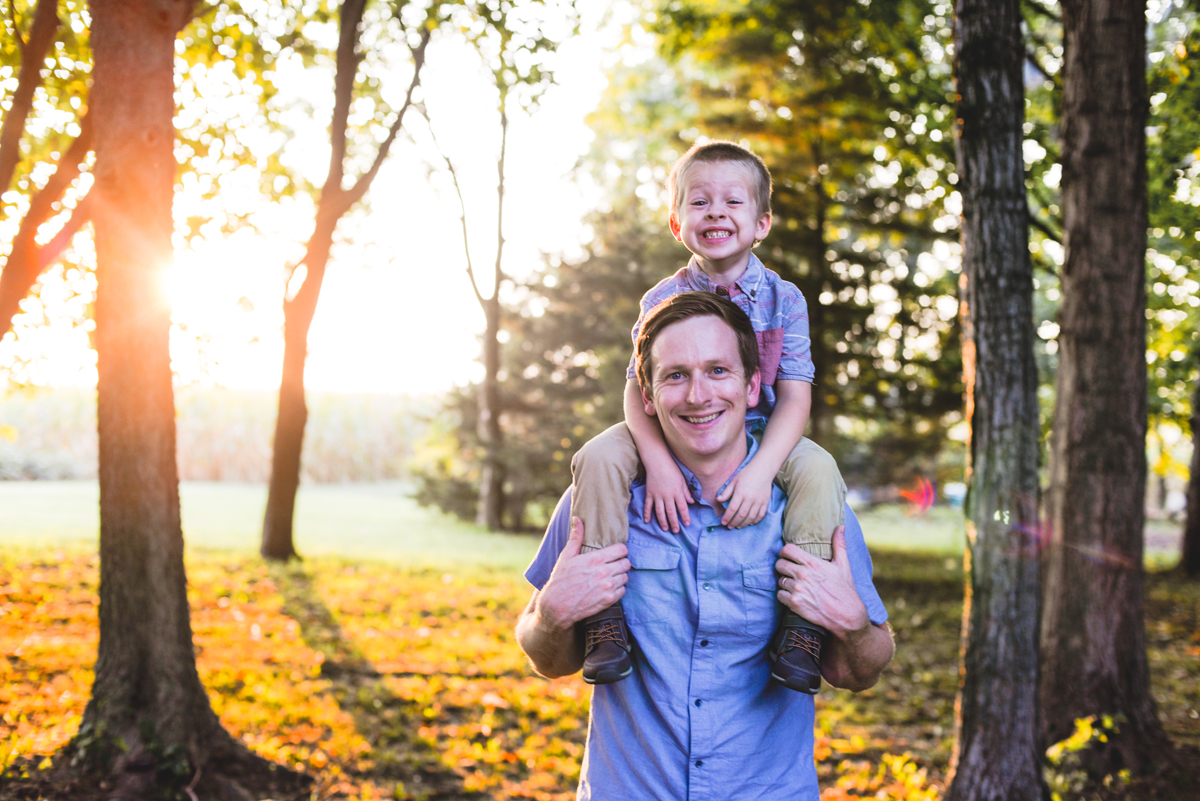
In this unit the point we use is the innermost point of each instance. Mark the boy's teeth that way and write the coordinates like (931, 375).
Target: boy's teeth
(716, 235)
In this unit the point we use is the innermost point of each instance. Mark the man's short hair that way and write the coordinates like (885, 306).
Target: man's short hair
(695, 304)
(718, 151)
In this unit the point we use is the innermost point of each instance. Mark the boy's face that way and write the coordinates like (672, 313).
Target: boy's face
(717, 217)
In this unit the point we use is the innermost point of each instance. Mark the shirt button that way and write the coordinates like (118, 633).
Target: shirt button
(698, 702)
(707, 586)
(722, 290)
(699, 762)
(704, 643)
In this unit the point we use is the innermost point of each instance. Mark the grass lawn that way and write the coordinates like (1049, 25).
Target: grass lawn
(384, 664)
(356, 521)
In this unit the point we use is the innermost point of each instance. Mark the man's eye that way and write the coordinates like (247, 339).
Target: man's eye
(674, 376)
(719, 371)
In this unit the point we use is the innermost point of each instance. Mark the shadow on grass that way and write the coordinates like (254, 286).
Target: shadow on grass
(387, 721)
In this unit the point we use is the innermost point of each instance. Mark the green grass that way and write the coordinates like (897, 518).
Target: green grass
(356, 521)
(378, 521)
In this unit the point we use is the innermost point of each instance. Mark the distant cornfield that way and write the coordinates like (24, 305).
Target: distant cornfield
(222, 435)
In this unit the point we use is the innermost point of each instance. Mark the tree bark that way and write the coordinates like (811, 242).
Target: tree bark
(1093, 643)
(1190, 559)
(146, 667)
(997, 745)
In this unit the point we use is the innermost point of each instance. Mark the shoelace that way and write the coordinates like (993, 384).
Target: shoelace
(604, 631)
(805, 641)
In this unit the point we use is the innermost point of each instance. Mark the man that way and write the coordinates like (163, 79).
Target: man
(700, 718)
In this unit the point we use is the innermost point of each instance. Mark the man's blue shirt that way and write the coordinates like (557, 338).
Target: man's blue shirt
(700, 718)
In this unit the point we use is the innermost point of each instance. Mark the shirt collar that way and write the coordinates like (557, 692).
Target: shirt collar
(748, 284)
(694, 483)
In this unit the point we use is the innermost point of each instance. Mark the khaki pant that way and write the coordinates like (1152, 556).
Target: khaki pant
(604, 468)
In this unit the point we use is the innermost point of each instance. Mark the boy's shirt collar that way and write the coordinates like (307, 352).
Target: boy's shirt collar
(748, 284)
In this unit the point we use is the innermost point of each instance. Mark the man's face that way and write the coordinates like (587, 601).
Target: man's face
(717, 217)
(699, 390)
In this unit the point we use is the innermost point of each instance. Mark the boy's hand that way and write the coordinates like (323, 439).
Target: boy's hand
(746, 497)
(667, 498)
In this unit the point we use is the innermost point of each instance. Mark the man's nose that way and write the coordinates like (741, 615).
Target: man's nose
(698, 390)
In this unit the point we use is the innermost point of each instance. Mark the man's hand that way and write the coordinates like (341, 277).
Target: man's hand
(582, 584)
(667, 497)
(746, 496)
(824, 593)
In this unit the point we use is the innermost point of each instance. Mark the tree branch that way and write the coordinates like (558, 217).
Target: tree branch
(462, 208)
(80, 216)
(347, 69)
(26, 260)
(33, 57)
(364, 182)
(1044, 227)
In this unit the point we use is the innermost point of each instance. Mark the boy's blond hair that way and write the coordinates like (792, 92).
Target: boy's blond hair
(718, 151)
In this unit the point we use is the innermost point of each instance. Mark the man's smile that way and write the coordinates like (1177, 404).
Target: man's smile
(701, 420)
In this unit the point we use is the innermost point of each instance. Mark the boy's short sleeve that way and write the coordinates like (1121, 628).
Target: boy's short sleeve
(795, 363)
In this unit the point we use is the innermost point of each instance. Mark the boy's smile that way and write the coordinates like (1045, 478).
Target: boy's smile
(718, 218)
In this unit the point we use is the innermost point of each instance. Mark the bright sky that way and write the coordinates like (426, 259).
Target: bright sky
(396, 312)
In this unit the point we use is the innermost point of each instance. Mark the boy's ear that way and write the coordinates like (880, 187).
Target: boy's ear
(762, 228)
(673, 221)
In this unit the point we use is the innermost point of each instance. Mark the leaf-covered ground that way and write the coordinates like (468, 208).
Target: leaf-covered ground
(387, 683)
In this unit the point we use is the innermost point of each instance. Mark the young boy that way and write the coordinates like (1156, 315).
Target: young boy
(720, 209)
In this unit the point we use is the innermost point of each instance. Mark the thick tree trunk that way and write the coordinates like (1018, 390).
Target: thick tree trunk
(1093, 648)
(146, 667)
(997, 747)
(1190, 560)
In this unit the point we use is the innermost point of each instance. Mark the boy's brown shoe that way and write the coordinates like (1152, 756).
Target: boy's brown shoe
(606, 657)
(795, 653)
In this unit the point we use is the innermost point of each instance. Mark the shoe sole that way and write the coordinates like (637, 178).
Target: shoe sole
(807, 689)
(608, 678)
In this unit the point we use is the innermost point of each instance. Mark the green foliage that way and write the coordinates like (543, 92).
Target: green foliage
(1067, 771)
(1173, 257)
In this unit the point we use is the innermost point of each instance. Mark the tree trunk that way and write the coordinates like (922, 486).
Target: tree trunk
(997, 748)
(298, 310)
(820, 421)
(292, 416)
(491, 486)
(146, 667)
(1190, 561)
(1093, 648)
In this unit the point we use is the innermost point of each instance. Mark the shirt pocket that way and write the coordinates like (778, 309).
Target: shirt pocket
(759, 603)
(770, 353)
(655, 588)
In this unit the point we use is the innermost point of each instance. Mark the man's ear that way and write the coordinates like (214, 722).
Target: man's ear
(648, 402)
(673, 221)
(752, 390)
